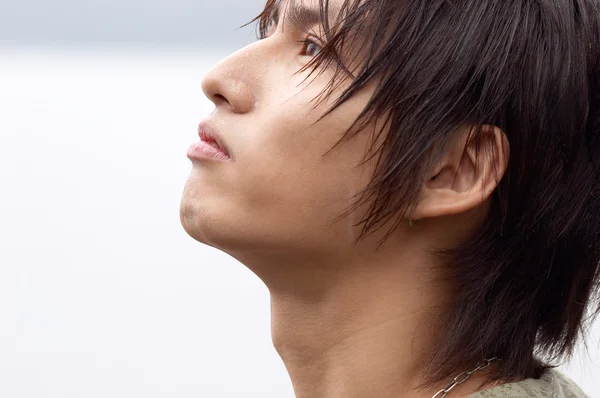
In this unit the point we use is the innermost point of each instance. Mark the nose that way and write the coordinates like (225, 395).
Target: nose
(227, 84)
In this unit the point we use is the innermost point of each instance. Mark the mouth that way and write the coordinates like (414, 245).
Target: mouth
(210, 135)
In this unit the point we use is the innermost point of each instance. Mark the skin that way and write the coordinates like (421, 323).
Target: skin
(347, 320)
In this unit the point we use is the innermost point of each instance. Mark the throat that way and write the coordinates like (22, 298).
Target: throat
(364, 338)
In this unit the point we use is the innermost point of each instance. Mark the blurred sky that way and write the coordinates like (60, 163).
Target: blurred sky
(115, 23)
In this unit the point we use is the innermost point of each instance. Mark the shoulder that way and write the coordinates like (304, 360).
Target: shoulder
(553, 384)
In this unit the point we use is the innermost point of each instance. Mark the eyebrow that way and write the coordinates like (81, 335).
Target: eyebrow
(300, 16)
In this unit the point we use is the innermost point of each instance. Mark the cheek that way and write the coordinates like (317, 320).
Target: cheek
(286, 187)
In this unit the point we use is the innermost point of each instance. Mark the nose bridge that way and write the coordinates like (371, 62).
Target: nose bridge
(234, 81)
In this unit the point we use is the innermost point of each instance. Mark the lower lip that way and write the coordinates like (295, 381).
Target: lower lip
(202, 150)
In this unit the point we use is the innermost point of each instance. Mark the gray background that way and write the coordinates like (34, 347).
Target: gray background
(149, 24)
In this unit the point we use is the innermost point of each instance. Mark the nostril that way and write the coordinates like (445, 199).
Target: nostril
(220, 98)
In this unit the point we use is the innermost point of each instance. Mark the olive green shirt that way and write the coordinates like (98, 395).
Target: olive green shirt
(552, 384)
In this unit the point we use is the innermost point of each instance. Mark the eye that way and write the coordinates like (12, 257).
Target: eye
(311, 47)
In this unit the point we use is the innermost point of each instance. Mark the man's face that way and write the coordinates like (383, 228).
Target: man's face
(278, 192)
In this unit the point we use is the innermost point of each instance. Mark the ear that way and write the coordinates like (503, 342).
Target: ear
(471, 167)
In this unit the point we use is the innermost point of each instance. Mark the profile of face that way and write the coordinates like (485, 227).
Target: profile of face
(279, 191)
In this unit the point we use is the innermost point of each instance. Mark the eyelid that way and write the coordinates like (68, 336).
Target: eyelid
(313, 39)
(317, 40)
(273, 22)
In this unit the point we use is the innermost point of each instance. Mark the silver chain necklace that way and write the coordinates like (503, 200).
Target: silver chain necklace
(461, 378)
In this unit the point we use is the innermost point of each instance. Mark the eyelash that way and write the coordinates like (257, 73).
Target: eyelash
(307, 41)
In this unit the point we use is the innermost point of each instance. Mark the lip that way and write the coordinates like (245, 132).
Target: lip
(208, 133)
(205, 148)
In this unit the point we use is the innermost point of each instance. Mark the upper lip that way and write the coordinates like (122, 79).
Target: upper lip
(208, 133)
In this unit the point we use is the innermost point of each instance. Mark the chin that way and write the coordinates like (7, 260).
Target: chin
(195, 215)
(209, 224)
(189, 220)
(217, 221)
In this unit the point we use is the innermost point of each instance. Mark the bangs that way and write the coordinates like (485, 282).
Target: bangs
(353, 33)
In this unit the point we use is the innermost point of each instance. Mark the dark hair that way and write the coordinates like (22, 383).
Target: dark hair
(525, 282)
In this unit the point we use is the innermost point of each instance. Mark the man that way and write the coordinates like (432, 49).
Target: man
(417, 184)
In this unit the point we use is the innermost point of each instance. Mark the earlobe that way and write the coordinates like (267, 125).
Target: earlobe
(469, 170)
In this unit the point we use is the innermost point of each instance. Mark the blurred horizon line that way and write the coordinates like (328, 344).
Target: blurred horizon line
(122, 49)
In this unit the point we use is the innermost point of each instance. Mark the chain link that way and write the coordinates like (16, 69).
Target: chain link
(461, 378)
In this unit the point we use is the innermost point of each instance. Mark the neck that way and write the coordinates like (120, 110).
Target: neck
(361, 336)
(357, 325)
(361, 339)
